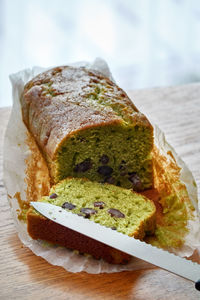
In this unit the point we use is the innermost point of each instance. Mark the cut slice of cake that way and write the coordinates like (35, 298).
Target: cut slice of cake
(86, 126)
(117, 208)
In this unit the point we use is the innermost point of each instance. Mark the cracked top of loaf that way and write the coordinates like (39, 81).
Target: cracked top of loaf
(64, 100)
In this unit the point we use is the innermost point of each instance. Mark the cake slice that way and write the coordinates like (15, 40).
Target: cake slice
(86, 126)
(117, 208)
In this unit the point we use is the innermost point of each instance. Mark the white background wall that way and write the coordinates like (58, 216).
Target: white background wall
(145, 42)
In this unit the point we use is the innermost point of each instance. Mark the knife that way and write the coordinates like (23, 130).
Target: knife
(163, 259)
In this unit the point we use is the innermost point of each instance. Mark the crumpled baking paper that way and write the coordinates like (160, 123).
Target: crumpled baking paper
(16, 153)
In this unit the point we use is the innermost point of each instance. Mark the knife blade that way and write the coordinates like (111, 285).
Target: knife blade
(158, 257)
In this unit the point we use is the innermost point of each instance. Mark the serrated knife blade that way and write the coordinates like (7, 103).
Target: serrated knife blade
(158, 257)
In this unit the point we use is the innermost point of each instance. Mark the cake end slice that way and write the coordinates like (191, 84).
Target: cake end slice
(117, 208)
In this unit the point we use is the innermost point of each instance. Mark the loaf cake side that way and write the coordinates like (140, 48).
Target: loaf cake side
(40, 228)
(111, 206)
(86, 126)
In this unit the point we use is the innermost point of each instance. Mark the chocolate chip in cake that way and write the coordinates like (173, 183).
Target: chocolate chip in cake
(80, 215)
(88, 212)
(68, 205)
(116, 213)
(135, 179)
(99, 204)
(105, 170)
(83, 166)
(104, 159)
(53, 196)
(114, 228)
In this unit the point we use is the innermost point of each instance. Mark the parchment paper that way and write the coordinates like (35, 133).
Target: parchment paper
(16, 152)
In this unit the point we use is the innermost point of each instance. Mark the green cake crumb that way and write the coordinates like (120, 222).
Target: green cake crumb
(109, 205)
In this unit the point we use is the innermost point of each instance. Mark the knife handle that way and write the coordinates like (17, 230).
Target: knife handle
(197, 285)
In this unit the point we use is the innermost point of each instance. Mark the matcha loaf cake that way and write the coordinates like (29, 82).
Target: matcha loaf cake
(86, 126)
(115, 207)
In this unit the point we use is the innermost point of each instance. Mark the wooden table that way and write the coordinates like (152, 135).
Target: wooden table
(25, 276)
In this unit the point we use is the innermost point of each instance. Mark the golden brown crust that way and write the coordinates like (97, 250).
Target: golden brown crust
(58, 103)
(41, 228)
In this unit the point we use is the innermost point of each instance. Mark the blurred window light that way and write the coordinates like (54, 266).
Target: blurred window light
(146, 43)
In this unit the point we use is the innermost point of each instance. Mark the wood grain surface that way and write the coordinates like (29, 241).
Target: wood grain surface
(25, 276)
